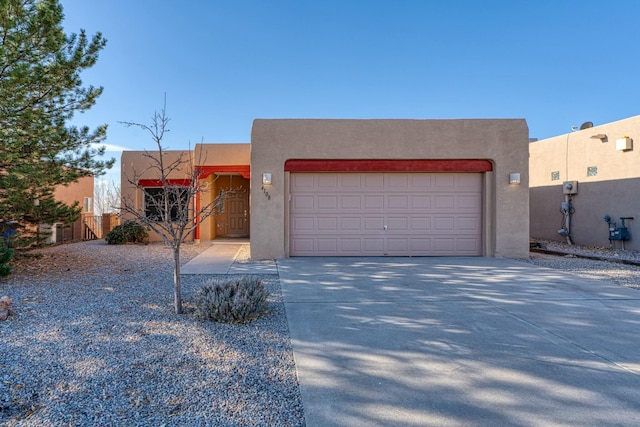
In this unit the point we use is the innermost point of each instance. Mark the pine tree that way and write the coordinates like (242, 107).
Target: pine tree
(40, 91)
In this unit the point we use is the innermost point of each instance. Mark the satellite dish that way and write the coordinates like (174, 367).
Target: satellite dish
(586, 125)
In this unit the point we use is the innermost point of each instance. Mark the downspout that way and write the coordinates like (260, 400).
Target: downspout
(568, 189)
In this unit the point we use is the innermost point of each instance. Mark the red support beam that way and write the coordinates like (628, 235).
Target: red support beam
(196, 219)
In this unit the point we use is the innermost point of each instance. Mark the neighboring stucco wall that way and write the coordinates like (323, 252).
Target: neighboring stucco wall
(613, 191)
(75, 191)
(503, 141)
(69, 194)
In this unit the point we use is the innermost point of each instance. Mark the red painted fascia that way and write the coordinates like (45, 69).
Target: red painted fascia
(388, 165)
(205, 171)
(158, 183)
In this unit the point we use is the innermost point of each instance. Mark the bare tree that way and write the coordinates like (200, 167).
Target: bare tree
(169, 209)
(106, 197)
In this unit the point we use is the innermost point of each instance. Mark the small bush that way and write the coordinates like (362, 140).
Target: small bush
(232, 300)
(129, 232)
(6, 255)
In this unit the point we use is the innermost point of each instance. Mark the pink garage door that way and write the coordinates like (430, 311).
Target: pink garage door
(374, 214)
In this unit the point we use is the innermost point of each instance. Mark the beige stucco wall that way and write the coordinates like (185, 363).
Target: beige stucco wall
(75, 191)
(502, 141)
(69, 194)
(223, 154)
(613, 191)
(136, 165)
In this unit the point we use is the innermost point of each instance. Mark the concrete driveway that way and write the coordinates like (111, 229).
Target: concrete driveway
(460, 342)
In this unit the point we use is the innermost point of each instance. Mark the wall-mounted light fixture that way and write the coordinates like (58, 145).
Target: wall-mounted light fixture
(266, 178)
(624, 144)
(601, 136)
(514, 178)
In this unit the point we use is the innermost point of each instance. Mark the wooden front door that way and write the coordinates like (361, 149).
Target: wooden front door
(236, 207)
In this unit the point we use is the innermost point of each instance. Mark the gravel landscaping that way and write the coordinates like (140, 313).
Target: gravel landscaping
(94, 342)
(574, 261)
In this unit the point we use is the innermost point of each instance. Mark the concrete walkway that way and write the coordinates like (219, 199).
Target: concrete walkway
(460, 342)
(221, 258)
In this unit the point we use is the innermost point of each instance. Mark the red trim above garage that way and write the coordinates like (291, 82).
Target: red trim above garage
(439, 165)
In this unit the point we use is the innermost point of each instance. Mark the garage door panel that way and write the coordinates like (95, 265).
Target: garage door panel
(467, 246)
(350, 224)
(399, 223)
(302, 224)
(395, 202)
(327, 244)
(420, 202)
(468, 181)
(327, 182)
(302, 203)
(420, 224)
(302, 181)
(327, 224)
(399, 181)
(303, 246)
(443, 224)
(397, 245)
(372, 181)
(471, 202)
(420, 246)
(444, 245)
(445, 202)
(468, 225)
(374, 214)
(350, 181)
(373, 202)
(444, 182)
(373, 245)
(375, 223)
(350, 246)
(421, 181)
(327, 202)
(351, 202)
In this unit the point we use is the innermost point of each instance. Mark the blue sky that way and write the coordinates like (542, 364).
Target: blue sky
(556, 63)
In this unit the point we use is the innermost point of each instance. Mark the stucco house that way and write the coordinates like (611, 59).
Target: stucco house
(324, 187)
(601, 165)
(85, 227)
(222, 167)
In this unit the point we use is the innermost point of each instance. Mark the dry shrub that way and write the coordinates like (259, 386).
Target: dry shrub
(240, 299)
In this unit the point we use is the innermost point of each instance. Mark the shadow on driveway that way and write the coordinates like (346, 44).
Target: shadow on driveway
(460, 341)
